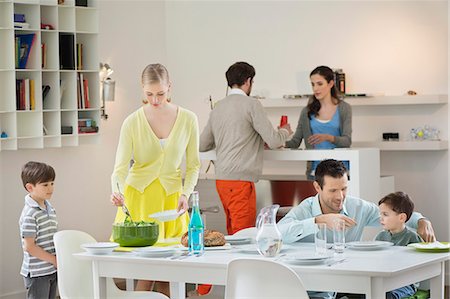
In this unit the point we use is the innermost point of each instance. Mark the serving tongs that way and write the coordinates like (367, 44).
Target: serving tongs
(124, 207)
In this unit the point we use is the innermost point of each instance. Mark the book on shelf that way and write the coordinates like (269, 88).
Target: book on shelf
(21, 25)
(79, 56)
(45, 90)
(86, 94)
(81, 3)
(19, 17)
(44, 55)
(23, 46)
(66, 51)
(32, 95)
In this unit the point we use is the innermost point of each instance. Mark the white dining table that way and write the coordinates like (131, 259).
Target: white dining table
(372, 273)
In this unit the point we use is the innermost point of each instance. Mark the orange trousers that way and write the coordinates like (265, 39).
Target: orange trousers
(239, 202)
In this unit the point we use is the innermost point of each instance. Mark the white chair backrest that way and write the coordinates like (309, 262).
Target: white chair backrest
(254, 278)
(74, 275)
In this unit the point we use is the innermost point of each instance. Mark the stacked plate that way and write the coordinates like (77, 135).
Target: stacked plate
(306, 259)
(155, 251)
(100, 247)
(238, 240)
(369, 245)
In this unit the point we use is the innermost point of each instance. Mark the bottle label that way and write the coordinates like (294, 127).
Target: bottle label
(196, 245)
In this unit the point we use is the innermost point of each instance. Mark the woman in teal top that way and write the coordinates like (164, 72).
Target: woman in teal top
(326, 122)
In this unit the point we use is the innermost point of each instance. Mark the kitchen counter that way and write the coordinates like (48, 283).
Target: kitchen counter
(364, 167)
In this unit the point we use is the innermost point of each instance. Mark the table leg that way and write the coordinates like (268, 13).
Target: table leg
(99, 282)
(376, 289)
(437, 284)
(177, 290)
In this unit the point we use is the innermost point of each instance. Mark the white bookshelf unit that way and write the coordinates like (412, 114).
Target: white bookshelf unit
(377, 114)
(39, 125)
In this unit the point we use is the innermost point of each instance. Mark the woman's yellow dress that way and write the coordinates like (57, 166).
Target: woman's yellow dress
(154, 200)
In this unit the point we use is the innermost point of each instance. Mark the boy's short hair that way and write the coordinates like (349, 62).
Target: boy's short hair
(335, 169)
(37, 172)
(238, 73)
(399, 202)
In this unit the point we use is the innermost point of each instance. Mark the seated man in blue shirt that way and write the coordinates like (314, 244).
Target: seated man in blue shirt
(332, 202)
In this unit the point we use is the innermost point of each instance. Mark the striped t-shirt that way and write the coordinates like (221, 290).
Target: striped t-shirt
(42, 225)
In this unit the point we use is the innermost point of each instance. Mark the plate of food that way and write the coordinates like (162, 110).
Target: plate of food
(165, 216)
(369, 245)
(213, 240)
(100, 247)
(431, 247)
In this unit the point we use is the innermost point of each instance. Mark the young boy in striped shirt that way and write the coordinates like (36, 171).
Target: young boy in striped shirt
(37, 226)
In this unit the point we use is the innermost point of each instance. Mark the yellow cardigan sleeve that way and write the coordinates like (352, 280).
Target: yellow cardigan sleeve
(123, 157)
(192, 158)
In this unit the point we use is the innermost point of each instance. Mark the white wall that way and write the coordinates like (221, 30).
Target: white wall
(382, 46)
(132, 35)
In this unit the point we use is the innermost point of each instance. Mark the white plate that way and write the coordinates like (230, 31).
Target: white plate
(164, 216)
(155, 251)
(100, 247)
(251, 249)
(227, 246)
(306, 259)
(237, 240)
(368, 245)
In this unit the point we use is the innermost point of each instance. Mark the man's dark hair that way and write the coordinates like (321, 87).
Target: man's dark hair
(330, 167)
(37, 172)
(238, 73)
(399, 202)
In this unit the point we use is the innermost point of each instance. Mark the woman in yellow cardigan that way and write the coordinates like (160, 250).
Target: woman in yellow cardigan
(156, 137)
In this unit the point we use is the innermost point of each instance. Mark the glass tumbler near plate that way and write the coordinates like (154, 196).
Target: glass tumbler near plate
(320, 239)
(339, 236)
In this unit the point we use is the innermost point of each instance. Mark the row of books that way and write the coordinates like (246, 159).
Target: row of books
(87, 125)
(82, 92)
(25, 94)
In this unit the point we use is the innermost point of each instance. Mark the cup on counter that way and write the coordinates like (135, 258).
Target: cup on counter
(339, 235)
(320, 239)
(283, 120)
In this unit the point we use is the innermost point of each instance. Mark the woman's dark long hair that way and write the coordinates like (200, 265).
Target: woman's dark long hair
(328, 74)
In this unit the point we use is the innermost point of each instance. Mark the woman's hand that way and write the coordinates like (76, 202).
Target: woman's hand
(182, 203)
(319, 138)
(117, 199)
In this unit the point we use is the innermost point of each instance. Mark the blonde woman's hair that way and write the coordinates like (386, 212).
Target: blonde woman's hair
(155, 73)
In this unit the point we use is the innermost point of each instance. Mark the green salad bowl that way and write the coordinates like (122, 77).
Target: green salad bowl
(135, 234)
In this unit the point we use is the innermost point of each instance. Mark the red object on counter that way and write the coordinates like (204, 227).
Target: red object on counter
(283, 120)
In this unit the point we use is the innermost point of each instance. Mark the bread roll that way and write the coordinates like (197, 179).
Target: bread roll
(212, 238)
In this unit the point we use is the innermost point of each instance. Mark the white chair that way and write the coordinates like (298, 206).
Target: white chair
(255, 278)
(75, 276)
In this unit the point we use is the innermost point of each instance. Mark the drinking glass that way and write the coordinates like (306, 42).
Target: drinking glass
(339, 236)
(320, 239)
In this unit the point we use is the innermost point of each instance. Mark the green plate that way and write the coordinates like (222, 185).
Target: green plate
(414, 245)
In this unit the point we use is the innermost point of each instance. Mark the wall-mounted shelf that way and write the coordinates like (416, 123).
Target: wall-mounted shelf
(365, 101)
(438, 145)
(39, 125)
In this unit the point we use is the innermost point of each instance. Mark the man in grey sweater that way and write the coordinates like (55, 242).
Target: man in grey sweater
(237, 128)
